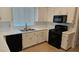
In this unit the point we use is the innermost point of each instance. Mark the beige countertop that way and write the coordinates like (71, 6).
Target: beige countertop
(17, 31)
(69, 32)
(10, 32)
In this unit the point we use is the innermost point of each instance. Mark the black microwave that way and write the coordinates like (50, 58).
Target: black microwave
(60, 18)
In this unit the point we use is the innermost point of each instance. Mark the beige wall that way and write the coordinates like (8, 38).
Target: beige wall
(5, 13)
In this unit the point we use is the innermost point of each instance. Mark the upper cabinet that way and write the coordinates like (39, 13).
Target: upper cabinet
(51, 12)
(5, 14)
(69, 11)
(60, 11)
(71, 14)
(42, 14)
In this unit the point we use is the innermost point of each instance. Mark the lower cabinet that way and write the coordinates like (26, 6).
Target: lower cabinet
(32, 38)
(67, 40)
(45, 35)
(42, 36)
(28, 39)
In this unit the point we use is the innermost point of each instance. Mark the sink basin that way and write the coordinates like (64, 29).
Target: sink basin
(28, 30)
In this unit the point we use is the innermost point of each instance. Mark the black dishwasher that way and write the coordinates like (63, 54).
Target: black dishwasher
(14, 42)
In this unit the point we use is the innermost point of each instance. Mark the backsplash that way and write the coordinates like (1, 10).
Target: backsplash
(51, 25)
(44, 24)
(5, 26)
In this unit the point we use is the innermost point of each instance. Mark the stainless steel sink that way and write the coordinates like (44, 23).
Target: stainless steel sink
(28, 30)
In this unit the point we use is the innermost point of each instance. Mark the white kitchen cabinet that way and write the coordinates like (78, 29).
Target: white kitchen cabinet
(38, 36)
(57, 10)
(71, 14)
(63, 10)
(42, 14)
(5, 14)
(32, 38)
(45, 35)
(41, 36)
(28, 39)
(67, 38)
(51, 13)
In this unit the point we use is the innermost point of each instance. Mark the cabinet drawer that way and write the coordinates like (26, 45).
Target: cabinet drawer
(31, 34)
(26, 34)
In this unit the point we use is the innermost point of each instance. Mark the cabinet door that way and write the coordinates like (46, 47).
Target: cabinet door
(42, 14)
(36, 36)
(45, 35)
(71, 14)
(60, 11)
(26, 40)
(57, 11)
(67, 40)
(63, 10)
(64, 42)
(40, 37)
(5, 13)
(32, 38)
(50, 14)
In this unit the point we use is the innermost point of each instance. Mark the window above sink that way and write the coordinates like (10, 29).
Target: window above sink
(23, 15)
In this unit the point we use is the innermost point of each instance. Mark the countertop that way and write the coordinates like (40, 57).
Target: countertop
(10, 32)
(69, 32)
(17, 31)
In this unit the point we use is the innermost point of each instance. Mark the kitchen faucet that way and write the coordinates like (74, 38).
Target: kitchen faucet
(25, 27)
